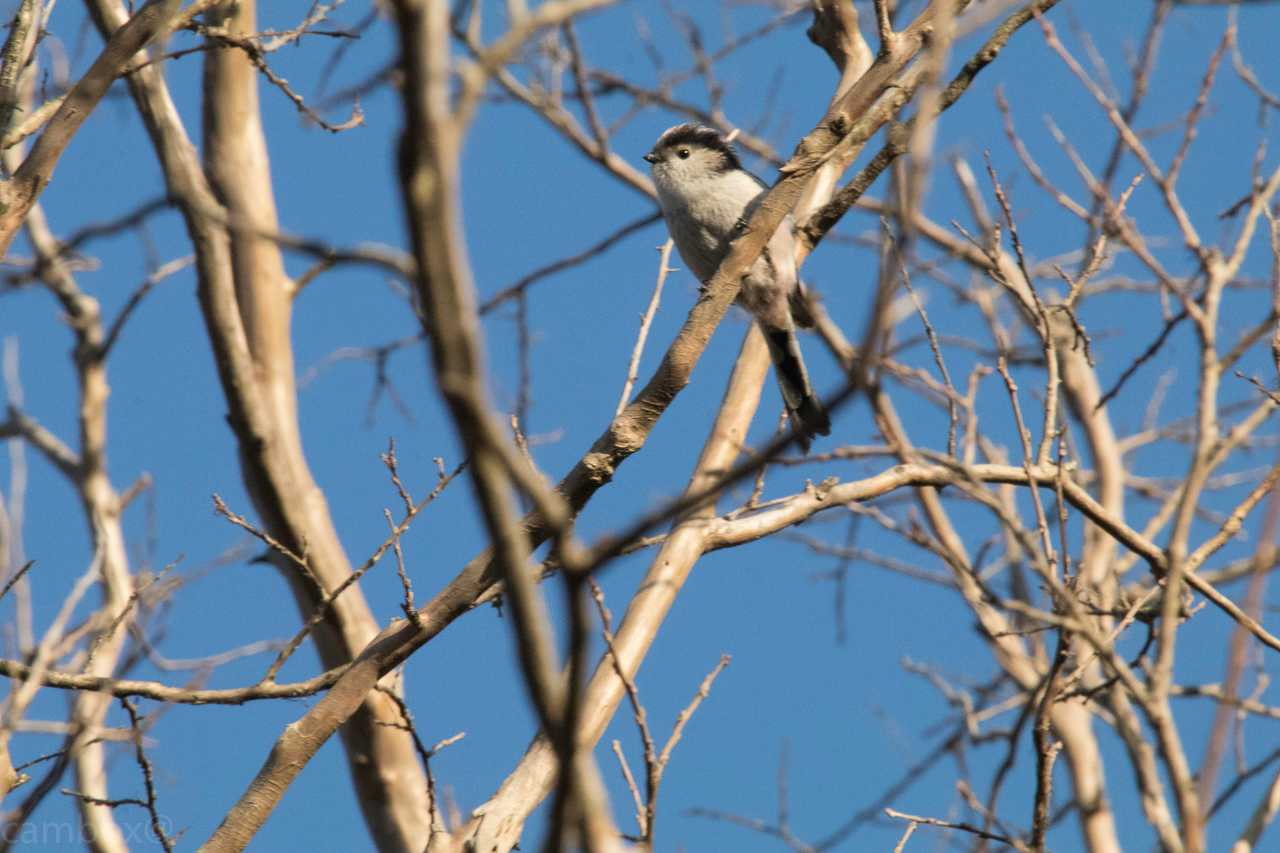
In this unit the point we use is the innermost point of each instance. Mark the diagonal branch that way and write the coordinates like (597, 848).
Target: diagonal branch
(20, 192)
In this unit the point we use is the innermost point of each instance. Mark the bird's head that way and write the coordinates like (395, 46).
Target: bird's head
(690, 152)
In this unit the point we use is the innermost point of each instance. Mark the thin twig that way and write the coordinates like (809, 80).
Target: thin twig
(148, 776)
(322, 608)
(963, 827)
(646, 319)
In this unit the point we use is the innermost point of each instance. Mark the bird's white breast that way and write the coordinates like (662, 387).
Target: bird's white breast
(702, 213)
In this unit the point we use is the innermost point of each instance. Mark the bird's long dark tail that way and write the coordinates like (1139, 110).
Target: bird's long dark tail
(806, 410)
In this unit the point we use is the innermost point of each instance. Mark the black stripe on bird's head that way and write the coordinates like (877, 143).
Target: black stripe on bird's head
(683, 137)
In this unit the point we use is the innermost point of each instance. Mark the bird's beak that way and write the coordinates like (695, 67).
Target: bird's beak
(651, 157)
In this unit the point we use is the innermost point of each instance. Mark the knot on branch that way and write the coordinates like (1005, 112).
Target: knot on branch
(599, 467)
(821, 491)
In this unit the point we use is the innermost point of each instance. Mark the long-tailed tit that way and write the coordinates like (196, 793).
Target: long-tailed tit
(705, 196)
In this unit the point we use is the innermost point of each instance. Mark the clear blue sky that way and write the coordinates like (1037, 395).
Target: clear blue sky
(847, 715)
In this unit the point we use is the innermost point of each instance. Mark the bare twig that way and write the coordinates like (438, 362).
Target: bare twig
(963, 827)
(148, 780)
(633, 366)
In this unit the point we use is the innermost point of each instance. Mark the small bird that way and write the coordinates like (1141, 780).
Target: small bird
(706, 197)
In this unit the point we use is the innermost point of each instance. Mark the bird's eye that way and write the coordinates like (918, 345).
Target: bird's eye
(683, 153)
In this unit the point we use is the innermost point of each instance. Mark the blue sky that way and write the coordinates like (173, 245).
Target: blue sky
(848, 716)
